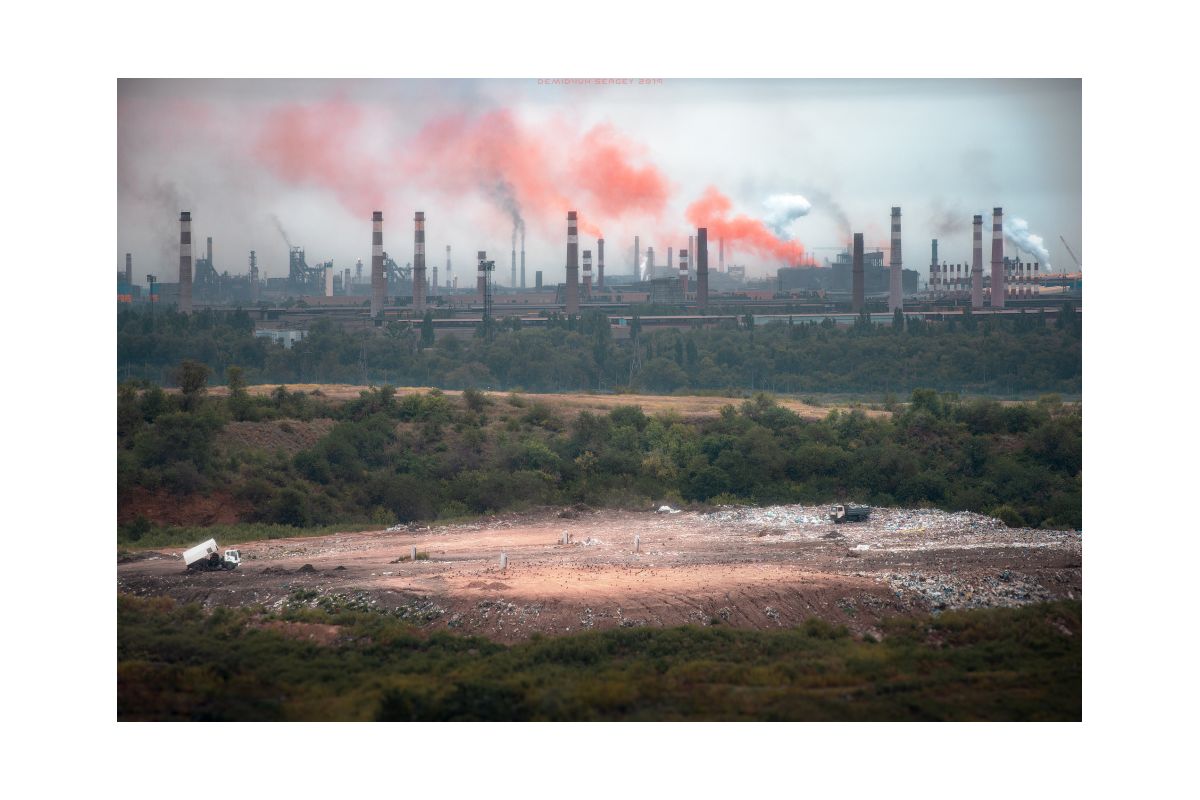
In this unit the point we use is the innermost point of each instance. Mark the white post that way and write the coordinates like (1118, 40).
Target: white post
(637, 543)
(504, 562)
(414, 553)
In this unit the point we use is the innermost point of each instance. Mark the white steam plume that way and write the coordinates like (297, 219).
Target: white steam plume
(1016, 231)
(783, 209)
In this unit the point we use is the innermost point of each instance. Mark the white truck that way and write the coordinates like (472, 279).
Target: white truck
(205, 556)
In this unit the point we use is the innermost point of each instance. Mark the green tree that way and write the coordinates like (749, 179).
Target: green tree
(192, 378)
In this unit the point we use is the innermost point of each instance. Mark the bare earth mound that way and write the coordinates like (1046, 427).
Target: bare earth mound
(747, 567)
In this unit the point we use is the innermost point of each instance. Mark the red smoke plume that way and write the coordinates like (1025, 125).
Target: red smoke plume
(315, 144)
(536, 173)
(712, 211)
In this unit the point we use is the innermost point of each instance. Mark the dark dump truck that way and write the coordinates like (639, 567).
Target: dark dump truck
(850, 513)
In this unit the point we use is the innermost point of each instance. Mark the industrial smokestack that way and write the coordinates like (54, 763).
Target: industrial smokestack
(670, 261)
(254, 287)
(600, 263)
(419, 285)
(683, 272)
(185, 262)
(858, 297)
(358, 271)
(481, 275)
(896, 293)
(637, 258)
(449, 274)
(587, 274)
(523, 257)
(997, 257)
(702, 268)
(129, 270)
(721, 254)
(329, 279)
(692, 247)
(977, 262)
(377, 284)
(208, 252)
(434, 285)
(572, 294)
(537, 277)
(512, 264)
(933, 269)
(649, 263)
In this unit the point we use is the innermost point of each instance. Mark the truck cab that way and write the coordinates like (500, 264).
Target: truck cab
(850, 513)
(232, 558)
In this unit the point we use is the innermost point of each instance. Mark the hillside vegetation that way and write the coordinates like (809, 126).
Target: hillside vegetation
(382, 458)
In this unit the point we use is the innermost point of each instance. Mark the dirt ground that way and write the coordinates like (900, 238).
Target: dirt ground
(689, 406)
(746, 567)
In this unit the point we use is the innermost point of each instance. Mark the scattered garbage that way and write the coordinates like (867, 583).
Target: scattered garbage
(668, 510)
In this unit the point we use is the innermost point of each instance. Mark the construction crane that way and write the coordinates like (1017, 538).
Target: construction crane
(1070, 253)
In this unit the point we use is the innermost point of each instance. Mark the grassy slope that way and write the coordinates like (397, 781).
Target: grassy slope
(177, 662)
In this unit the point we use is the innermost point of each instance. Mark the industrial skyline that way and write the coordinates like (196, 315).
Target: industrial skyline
(777, 170)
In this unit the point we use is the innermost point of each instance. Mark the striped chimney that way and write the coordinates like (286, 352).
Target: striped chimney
(896, 293)
(683, 272)
(702, 268)
(600, 263)
(587, 274)
(858, 288)
(185, 262)
(572, 292)
(977, 262)
(481, 275)
(419, 285)
(997, 257)
(933, 268)
(377, 280)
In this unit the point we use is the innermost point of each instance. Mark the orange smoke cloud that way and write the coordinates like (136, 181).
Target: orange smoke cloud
(316, 144)
(712, 211)
(530, 173)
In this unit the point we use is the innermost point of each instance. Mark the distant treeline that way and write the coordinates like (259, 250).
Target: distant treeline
(1028, 354)
(427, 456)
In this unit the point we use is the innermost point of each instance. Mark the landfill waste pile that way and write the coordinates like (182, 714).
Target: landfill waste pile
(511, 576)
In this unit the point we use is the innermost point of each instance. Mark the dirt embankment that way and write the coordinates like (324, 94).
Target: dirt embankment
(161, 507)
(754, 568)
(691, 406)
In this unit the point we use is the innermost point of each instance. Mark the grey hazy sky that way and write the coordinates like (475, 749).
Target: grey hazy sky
(941, 149)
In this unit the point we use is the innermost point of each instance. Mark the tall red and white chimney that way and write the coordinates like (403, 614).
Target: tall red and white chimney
(419, 285)
(185, 262)
(378, 286)
(572, 290)
(997, 257)
(977, 261)
(683, 272)
(896, 292)
(587, 274)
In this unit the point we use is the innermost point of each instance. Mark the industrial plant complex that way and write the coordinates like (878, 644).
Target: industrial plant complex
(683, 291)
